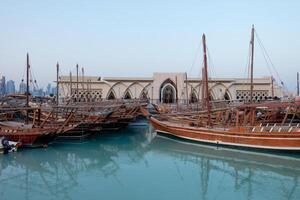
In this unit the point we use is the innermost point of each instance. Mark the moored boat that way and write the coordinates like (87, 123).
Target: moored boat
(239, 137)
(263, 126)
(27, 136)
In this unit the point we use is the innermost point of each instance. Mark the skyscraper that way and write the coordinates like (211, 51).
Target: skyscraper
(53, 91)
(48, 89)
(2, 86)
(22, 87)
(10, 87)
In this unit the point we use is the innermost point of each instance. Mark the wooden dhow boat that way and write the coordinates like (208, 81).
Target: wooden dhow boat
(79, 121)
(27, 134)
(258, 137)
(261, 126)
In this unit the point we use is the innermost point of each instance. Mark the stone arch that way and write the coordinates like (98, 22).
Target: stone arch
(212, 95)
(111, 95)
(118, 83)
(168, 92)
(227, 96)
(198, 89)
(135, 91)
(219, 91)
(122, 87)
(144, 95)
(127, 95)
(145, 90)
(193, 97)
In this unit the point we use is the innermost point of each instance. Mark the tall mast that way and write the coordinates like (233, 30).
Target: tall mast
(27, 86)
(176, 90)
(71, 90)
(272, 81)
(203, 89)
(89, 89)
(77, 91)
(251, 63)
(206, 81)
(82, 73)
(57, 77)
(186, 89)
(298, 92)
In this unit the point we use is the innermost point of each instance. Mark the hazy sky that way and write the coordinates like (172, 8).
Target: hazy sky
(137, 38)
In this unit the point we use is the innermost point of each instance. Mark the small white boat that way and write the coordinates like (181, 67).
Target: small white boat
(7, 146)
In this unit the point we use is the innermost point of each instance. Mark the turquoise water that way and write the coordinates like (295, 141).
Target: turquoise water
(137, 164)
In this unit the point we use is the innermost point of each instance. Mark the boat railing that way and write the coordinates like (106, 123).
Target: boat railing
(274, 128)
(183, 105)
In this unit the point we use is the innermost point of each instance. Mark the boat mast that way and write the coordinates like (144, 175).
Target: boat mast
(77, 91)
(298, 92)
(251, 64)
(88, 89)
(71, 91)
(206, 81)
(203, 89)
(82, 74)
(186, 90)
(272, 81)
(27, 87)
(57, 77)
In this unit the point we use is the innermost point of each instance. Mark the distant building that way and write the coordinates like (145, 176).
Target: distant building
(22, 87)
(37, 92)
(10, 87)
(48, 89)
(2, 86)
(53, 91)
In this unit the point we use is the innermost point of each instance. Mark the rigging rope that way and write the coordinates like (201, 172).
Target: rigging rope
(210, 64)
(268, 59)
(247, 67)
(23, 75)
(195, 58)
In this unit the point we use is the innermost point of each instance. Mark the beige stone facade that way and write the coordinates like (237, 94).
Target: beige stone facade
(164, 87)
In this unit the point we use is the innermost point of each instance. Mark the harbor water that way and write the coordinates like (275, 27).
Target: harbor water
(136, 163)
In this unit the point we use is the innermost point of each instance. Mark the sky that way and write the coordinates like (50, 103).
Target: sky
(136, 37)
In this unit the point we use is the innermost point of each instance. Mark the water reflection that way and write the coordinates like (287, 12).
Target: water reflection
(116, 165)
(56, 170)
(247, 169)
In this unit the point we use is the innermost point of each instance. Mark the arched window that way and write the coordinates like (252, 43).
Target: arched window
(168, 92)
(226, 96)
(111, 95)
(127, 95)
(143, 96)
(193, 98)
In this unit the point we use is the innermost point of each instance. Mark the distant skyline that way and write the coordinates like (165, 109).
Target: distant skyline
(137, 38)
(8, 87)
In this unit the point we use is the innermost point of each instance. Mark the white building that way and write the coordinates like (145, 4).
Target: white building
(164, 87)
